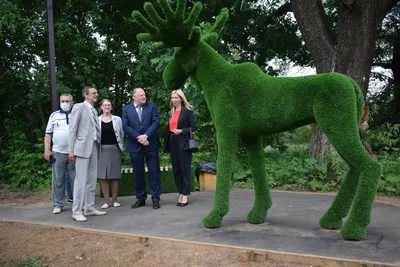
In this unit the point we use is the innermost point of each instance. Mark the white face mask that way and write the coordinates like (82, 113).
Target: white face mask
(65, 107)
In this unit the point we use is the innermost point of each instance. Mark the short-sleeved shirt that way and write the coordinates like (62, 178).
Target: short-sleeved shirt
(58, 126)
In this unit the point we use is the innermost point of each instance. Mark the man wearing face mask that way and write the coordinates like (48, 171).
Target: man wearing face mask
(57, 130)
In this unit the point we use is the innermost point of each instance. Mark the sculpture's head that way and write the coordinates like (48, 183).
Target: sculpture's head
(179, 32)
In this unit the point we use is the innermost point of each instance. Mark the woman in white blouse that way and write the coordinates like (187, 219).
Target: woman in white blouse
(109, 165)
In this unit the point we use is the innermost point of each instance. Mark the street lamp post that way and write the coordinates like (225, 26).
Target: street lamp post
(52, 61)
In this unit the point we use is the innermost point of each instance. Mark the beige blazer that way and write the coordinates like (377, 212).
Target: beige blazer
(81, 131)
(119, 133)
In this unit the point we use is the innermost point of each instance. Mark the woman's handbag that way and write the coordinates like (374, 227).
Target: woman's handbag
(192, 143)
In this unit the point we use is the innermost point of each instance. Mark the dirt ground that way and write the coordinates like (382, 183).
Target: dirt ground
(22, 197)
(66, 247)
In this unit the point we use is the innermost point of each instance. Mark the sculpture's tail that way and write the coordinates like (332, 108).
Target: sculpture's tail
(360, 100)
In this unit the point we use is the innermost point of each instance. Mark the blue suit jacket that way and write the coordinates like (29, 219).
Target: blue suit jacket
(133, 127)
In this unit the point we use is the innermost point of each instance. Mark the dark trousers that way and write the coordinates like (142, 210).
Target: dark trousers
(153, 164)
(181, 165)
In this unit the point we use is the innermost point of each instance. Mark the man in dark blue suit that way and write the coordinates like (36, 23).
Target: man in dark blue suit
(140, 122)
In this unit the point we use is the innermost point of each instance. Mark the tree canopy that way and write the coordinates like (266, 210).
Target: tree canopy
(95, 43)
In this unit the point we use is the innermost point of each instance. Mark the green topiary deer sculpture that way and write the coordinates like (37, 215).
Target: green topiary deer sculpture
(246, 103)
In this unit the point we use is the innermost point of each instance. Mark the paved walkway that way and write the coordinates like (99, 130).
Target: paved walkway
(292, 224)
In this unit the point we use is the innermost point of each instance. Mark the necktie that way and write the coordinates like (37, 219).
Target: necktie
(96, 123)
(140, 113)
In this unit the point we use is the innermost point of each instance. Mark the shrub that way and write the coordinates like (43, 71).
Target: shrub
(389, 184)
(24, 165)
(384, 139)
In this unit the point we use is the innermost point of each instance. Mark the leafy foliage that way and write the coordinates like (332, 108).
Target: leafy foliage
(385, 138)
(96, 44)
(294, 170)
(25, 167)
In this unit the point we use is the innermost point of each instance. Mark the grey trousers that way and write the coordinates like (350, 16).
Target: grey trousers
(85, 182)
(58, 178)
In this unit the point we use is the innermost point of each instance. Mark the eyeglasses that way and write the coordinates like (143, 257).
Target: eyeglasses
(93, 93)
(108, 105)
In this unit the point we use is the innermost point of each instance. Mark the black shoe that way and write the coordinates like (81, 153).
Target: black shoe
(138, 204)
(70, 200)
(156, 205)
(184, 204)
(178, 203)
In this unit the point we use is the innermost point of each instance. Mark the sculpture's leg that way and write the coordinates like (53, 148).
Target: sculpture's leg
(256, 162)
(227, 142)
(341, 127)
(360, 214)
(342, 204)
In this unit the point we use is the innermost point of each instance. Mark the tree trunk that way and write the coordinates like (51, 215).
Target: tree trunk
(41, 113)
(349, 52)
(319, 143)
(396, 82)
(318, 36)
(31, 121)
(316, 32)
(356, 40)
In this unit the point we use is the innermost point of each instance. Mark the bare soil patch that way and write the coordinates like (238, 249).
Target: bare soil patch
(388, 200)
(22, 197)
(66, 247)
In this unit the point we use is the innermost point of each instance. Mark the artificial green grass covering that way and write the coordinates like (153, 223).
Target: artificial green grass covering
(246, 103)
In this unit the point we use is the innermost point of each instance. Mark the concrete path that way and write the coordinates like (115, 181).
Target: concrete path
(292, 224)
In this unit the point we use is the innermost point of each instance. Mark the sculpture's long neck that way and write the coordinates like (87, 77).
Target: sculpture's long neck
(210, 59)
(209, 71)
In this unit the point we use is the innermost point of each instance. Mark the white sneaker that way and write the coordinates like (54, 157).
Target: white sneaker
(116, 204)
(95, 213)
(105, 206)
(57, 210)
(79, 218)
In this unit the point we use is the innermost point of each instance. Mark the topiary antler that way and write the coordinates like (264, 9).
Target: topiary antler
(212, 34)
(174, 30)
